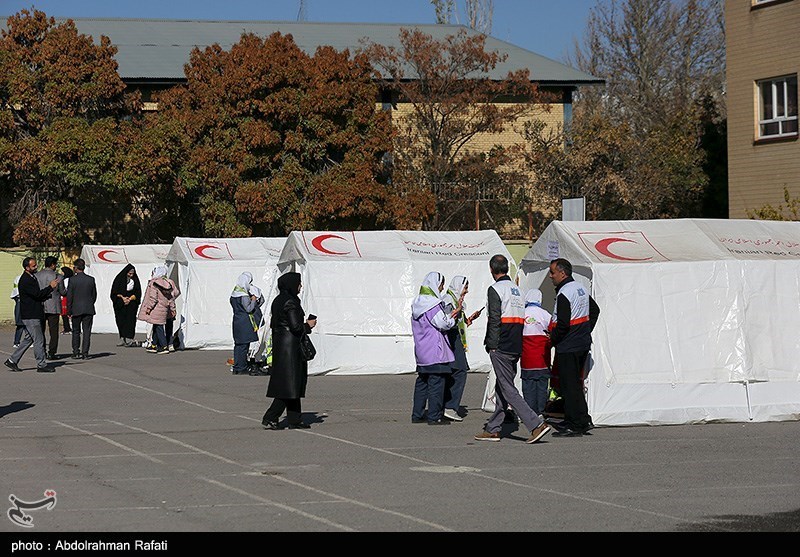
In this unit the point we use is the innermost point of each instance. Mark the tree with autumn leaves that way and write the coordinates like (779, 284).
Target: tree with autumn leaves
(62, 105)
(278, 140)
(453, 101)
(262, 139)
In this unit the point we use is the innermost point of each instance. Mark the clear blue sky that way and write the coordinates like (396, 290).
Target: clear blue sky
(547, 27)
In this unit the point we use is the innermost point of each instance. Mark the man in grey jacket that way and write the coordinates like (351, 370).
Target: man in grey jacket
(52, 305)
(81, 296)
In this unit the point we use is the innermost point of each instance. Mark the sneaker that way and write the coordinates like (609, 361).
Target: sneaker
(77, 356)
(152, 350)
(486, 436)
(538, 433)
(16, 346)
(451, 414)
(418, 420)
(162, 351)
(438, 422)
(45, 369)
(11, 365)
(258, 371)
(565, 430)
(122, 342)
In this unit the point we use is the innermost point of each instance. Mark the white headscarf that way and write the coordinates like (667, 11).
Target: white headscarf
(243, 284)
(457, 285)
(160, 271)
(537, 319)
(534, 297)
(429, 294)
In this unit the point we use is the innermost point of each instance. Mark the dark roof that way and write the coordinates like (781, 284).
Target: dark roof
(157, 49)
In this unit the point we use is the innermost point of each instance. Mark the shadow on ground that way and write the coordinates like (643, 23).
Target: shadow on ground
(16, 406)
(773, 522)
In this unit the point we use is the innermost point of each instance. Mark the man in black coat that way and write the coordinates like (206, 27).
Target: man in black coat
(31, 296)
(81, 296)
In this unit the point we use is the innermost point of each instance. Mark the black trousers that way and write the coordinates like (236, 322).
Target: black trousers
(570, 375)
(81, 333)
(292, 407)
(52, 321)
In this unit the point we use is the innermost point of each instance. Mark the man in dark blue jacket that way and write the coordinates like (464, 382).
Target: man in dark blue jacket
(31, 296)
(574, 317)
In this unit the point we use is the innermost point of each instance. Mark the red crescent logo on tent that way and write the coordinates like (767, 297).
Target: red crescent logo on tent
(101, 255)
(603, 246)
(200, 250)
(317, 243)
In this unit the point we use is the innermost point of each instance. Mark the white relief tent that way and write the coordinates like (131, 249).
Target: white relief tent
(105, 262)
(361, 285)
(205, 270)
(699, 318)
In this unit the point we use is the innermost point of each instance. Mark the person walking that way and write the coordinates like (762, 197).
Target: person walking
(535, 361)
(457, 337)
(503, 342)
(31, 296)
(126, 295)
(247, 316)
(289, 372)
(19, 325)
(430, 322)
(52, 306)
(81, 296)
(575, 314)
(67, 272)
(158, 305)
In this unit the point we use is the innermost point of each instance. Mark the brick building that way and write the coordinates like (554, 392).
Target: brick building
(763, 61)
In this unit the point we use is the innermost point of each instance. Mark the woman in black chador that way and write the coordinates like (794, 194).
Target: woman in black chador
(126, 295)
(289, 371)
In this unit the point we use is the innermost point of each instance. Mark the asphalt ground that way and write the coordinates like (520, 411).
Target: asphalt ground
(133, 442)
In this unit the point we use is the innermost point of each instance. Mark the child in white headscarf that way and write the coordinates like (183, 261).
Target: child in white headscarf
(535, 361)
(429, 325)
(457, 336)
(246, 301)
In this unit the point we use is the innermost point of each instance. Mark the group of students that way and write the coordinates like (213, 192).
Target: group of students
(519, 330)
(439, 326)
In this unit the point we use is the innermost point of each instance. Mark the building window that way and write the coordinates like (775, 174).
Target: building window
(777, 107)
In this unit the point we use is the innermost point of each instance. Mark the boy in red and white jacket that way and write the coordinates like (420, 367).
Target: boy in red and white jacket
(535, 362)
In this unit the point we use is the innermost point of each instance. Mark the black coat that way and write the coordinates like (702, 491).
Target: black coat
(31, 296)
(289, 371)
